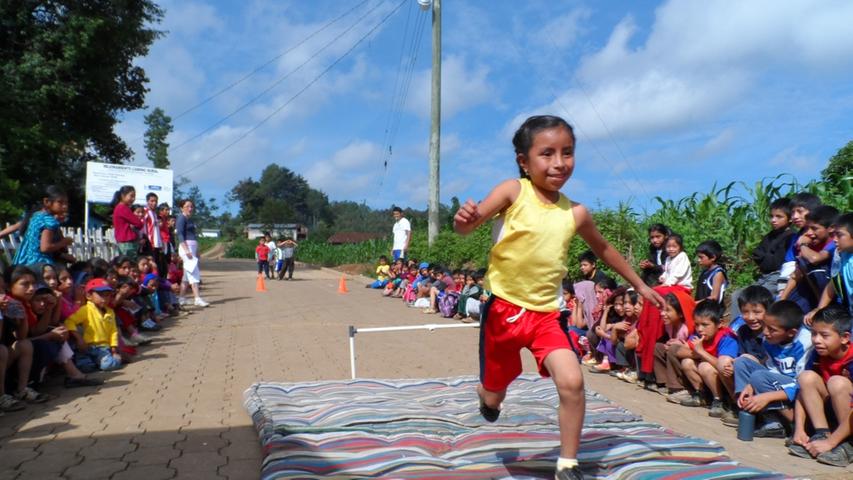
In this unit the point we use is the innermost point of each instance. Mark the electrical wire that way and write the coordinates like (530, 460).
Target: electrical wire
(276, 83)
(270, 61)
(297, 94)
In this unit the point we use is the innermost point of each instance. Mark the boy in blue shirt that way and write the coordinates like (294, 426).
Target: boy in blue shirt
(840, 287)
(801, 204)
(769, 388)
(814, 256)
(754, 301)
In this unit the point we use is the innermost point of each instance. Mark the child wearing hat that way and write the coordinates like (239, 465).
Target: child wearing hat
(97, 347)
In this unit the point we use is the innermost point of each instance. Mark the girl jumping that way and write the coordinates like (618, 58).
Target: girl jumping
(534, 224)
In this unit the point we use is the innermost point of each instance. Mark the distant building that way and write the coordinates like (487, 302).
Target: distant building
(292, 230)
(210, 233)
(353, 237)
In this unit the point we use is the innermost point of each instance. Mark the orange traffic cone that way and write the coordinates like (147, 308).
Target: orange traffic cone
(342, 285)
(260, 286)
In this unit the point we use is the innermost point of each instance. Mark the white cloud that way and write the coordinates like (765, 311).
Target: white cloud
(717, 144)
(244, 159)
(562, 31)
(789, 160)
(349, 172)
(462, 87)
(699, 60)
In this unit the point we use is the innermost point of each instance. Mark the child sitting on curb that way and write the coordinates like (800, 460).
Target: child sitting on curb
(97, 347)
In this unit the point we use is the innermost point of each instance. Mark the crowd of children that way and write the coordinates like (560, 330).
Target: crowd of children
(276, 259)
(77, 317)
(432, 288)
(782, 351)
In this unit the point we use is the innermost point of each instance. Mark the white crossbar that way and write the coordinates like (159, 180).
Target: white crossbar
(429, 327)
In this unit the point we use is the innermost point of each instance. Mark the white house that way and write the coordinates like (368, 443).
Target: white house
(292, 230)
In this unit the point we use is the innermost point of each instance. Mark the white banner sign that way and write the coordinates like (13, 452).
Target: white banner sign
(103, 179)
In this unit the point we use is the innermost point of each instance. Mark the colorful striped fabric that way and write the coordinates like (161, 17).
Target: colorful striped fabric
(419, 429)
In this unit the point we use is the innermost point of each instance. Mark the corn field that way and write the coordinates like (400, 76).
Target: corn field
(736, 215)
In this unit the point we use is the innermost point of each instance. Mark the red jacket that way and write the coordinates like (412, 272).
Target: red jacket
(124, 222)
(263, 252)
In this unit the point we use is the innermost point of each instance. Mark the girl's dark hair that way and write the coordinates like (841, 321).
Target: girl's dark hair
(121, 192)
(52, 193)
(183, 202)
(164, 205)
(711, 249)
(806, 200)
(678, 239)
(673, 302)
(16, 273)
(99, 267)
(523, 138)
(568, 286)
(609, 284)
(618, 293)
(633, 296)
(660, 228)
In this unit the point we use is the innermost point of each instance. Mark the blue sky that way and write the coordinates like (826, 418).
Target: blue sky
(667, 98)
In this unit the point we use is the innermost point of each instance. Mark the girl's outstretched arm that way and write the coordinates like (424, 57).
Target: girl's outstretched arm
(585, 226)
(471, 215)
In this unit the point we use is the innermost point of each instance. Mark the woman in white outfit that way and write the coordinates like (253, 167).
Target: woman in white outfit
(188, 250)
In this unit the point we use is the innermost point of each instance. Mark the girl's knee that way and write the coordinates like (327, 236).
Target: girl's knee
(23, 347)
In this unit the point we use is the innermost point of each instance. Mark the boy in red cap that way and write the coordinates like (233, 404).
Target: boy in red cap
(97, 348)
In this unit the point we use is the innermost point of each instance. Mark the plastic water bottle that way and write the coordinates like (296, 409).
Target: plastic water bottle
(745, 426)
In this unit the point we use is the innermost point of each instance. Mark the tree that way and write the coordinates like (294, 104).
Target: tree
(159, 127)
(840, 165)
(305, 204)
(66, 75)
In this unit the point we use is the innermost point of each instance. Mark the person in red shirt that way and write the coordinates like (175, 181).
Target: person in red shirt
(262, 255)
(827, 381)
(126, 224)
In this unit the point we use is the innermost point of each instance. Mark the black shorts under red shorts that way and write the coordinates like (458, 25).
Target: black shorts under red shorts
(505, 329)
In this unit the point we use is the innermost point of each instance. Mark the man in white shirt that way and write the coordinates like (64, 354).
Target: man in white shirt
(402, 234)
(272, 256)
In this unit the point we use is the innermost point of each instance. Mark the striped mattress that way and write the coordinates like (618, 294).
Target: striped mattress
(431, 429)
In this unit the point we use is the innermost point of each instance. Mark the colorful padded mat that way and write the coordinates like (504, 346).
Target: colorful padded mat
(431, 429)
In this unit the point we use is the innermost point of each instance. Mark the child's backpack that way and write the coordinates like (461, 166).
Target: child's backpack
(447, 303)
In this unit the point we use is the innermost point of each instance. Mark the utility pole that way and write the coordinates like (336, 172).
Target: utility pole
(435, 129)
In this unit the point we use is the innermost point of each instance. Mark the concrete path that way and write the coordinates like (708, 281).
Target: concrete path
(177, 412)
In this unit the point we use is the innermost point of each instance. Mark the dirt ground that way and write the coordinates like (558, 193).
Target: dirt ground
(178, 413)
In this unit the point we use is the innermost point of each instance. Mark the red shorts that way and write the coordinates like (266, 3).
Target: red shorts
(503, 333)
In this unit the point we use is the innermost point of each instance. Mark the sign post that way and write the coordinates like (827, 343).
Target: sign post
(103, 179)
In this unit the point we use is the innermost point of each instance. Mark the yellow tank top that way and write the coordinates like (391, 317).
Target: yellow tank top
(527, 262)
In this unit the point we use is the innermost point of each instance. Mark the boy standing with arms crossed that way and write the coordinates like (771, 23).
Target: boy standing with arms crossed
(533, 228)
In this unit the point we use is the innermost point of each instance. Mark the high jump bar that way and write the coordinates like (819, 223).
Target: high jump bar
(429, 327)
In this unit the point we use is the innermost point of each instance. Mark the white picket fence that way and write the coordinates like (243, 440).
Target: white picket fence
(87, 244)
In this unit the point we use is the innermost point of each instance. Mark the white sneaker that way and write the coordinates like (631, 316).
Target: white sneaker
(199, 302)
(182, 301)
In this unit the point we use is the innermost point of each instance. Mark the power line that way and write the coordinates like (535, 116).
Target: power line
(275, 83)
(270, 61)
(300, 92)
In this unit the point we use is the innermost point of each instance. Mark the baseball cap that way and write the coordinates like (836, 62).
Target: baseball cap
(98, 285)
(149, 277)
(42, 288)
(423, 265)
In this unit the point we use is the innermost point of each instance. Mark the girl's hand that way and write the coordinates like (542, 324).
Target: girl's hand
(66, 241)
(644, 264)
(467, 213)
(652, 296)
(819, 446)
(809, 317)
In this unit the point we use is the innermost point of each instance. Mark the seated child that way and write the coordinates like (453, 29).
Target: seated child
(801, 204)
(383, 272)
(612, 315)
(713, 281)
(677, 317)
(826, 384)
(840, 287)
(625, 337)
(753, 303)
(471, 291)
(770, 252)
(677, 269)
(443, 285)
(97, 347)
(769, 388)
(588, 263)
(571, 312)
(712, 340)
(813, 260)
(17, 318)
